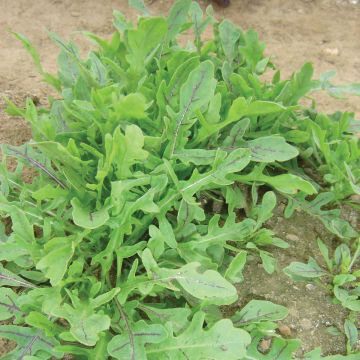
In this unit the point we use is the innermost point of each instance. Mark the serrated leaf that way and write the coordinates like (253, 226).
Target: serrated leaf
(143, 41)
(85, 325)
(29, 341)
(58, 252)
(177, 316)
(221, 341)
(120, 346)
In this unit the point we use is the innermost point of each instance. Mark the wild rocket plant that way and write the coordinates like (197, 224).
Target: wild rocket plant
(158, 165)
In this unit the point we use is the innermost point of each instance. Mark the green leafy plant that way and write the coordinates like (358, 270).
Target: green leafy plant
(157, 168)
(340, 276)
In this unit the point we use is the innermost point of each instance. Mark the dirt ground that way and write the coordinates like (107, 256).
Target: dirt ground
(325, 32)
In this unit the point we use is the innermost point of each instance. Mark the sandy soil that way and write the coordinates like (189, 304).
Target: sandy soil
(325, 32)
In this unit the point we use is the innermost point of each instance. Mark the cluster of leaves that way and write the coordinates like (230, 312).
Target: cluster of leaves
(147, 199)
(340, 276)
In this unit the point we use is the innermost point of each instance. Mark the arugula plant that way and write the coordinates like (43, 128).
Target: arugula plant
(340, 276)
(158, 166)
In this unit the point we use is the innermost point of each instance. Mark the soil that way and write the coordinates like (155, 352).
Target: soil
(325, 32)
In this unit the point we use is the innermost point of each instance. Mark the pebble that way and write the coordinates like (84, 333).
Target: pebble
(355, 198)
(306, 324)
(331, 51)
(310, 287)
(292, 237)
(284, 330)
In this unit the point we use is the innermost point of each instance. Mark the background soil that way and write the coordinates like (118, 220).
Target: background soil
(325, 32)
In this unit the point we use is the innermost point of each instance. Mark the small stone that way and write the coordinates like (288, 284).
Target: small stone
(292, 237)
(284, 330)
(331, 51)
(75, 14)
(310, 287)
(264, 345)
(306, 324)
(355, 198)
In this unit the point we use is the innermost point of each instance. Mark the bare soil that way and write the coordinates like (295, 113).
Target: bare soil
(325, 32)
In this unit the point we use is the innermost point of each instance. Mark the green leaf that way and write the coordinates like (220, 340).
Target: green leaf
(177, 316)
(271, 148)
(139, 6)
(252, 49)
(234, 271)
(268, 262)
(229, 35)
(209, 285)
(264, 211)
(325, 254)
(167, 232)
(143, 41)
(8, 307)
(58, 252)
(142, 334)
(240, 108)
(42, 322)
(129, 150)
(289, 184)
(196, 156)
(196, 92)
(285, 183)
(281, 349)
(237, 132)
(132, 106)
(178, 16)
(85, 325)
(257, 311)
(299, 85)
(21, 225)
(316, 355)
(301, 271)
(330, 218)
(351, 333)
(29, 341)
(8, 278)
(234, 162)
(86, 218)
(50, 79)
(221, 341)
